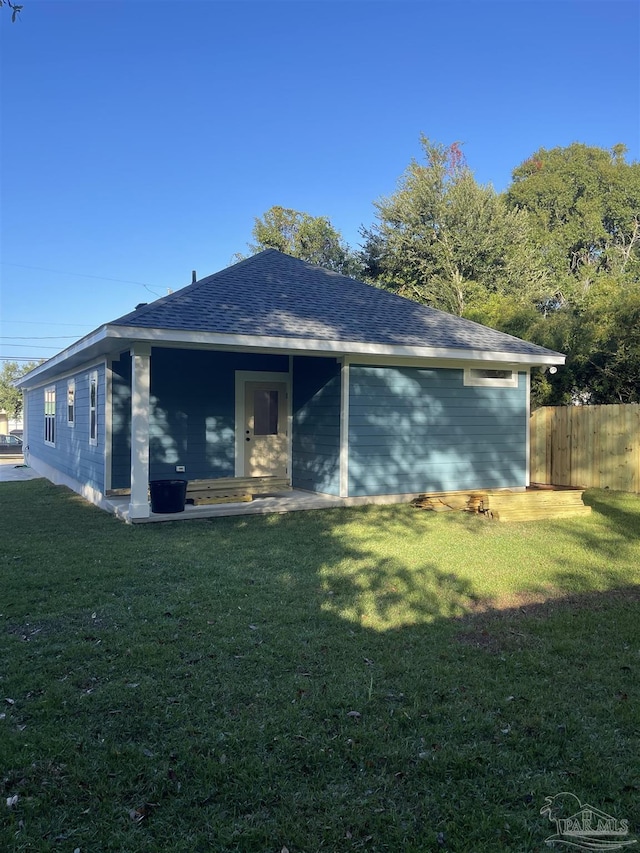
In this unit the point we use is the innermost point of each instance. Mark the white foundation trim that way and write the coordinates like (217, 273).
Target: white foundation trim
(59, 478)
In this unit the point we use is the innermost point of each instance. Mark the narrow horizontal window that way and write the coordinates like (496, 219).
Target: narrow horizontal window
(492, 377)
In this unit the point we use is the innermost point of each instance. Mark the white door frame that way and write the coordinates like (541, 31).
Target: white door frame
(242, 377)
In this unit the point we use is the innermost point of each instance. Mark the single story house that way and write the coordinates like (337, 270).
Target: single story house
(274, 366)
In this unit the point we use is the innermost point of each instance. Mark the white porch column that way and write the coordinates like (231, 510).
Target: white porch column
(344, 428)
(25, 425)
(140, 384)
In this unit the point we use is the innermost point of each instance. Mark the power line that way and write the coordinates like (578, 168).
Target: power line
(77, 274)
(43, 323)
(21, 358)
(25, 346)
(35, 337)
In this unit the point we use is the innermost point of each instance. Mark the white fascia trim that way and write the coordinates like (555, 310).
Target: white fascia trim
(328, 347)
(166, 337)
(89, 340)
(433, 363)
(68, 374)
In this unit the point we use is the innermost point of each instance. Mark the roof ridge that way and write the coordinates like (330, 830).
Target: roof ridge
(273, 294)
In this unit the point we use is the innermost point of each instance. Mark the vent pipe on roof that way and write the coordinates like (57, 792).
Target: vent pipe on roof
(140, 305)
(193, 276)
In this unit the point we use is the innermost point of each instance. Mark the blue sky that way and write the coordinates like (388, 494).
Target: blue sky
(141, 138)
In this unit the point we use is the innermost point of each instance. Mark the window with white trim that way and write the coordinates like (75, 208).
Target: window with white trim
(93, 408)
(71, 402)
(492, 377)
(50, 415)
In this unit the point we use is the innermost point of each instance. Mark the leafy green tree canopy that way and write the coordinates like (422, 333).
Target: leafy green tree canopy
(310, 238)
(10, 397)
(445, 240)
(584, 203)
(585, 206)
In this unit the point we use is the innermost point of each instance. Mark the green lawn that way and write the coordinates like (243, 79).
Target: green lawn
(370, 679)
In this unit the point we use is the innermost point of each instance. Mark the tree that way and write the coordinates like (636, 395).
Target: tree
(446, 241)
(310, 238)
(607, 355)
(10, 397)
(584, 203)
(15, 9)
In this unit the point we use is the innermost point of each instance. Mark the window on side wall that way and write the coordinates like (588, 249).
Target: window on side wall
(93, 408)
(71, 402)
(491, 377)
(50, 416)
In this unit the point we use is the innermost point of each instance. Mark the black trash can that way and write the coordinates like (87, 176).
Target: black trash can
(168, 495)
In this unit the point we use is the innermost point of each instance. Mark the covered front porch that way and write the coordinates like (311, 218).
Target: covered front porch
(290, 500)
(193, 414)
(258, 500)
(534, 503)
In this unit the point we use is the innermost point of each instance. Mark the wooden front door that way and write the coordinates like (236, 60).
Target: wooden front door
(266, 448)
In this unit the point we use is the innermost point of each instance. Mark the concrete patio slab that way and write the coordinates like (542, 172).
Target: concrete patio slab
(290, 501)
(13, 469)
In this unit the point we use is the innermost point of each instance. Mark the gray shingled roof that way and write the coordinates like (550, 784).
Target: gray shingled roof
(275, 295)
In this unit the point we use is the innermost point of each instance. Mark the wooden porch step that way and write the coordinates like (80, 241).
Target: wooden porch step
(250, 485)
(199, 499)
(537, 513)
(233, 489)
(445, 501)
(536, 504)
(506, 505)
(535, 498)
(224, 489)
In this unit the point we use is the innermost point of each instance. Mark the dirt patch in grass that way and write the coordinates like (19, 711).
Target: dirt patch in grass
(497, 625)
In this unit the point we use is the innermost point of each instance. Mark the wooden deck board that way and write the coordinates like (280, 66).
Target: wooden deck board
(507, 505)
(225, 486)
(219, 498)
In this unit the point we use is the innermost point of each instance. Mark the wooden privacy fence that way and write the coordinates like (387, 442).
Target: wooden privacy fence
(586, 446)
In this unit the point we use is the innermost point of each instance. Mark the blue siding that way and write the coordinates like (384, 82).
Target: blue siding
(192, 412)
(316, 425)
(414, 430)
(72, 454)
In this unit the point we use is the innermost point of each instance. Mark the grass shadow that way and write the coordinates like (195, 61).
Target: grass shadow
(374, 679)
